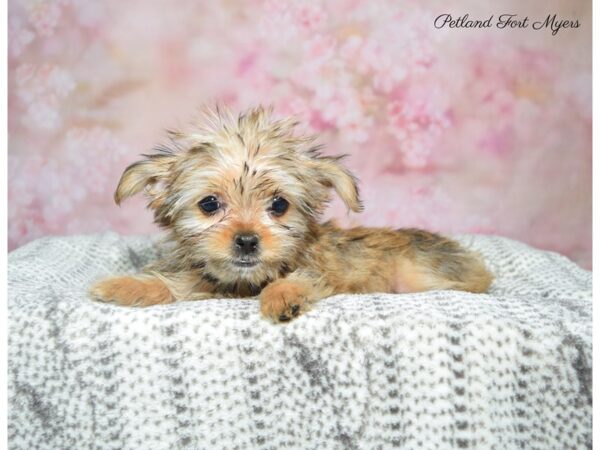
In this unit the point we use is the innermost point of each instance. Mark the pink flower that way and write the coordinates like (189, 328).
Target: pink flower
(60, 82)
(497, 142)
(417, 120)
(42, 90)
(19, 36)
(42, 114)
(44, 16)
(310, 16)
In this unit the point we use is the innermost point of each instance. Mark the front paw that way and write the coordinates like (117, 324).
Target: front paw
(283, 300)
(132, 291)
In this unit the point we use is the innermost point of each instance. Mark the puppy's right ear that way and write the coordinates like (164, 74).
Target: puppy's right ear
(144, 174)
(332, 174)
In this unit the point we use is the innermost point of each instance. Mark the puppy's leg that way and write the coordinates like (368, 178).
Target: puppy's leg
(135, 290)
(289, 297)
(433, 262)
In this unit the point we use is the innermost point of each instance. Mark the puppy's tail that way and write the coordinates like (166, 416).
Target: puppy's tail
(431, 261)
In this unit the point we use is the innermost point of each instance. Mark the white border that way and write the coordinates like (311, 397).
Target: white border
(595, 260)
(3, 227)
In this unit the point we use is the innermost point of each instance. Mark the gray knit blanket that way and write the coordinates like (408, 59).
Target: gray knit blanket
(442, 369)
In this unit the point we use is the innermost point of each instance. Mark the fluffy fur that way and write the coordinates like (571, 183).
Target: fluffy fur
(244, 164)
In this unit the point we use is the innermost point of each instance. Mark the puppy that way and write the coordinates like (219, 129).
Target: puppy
(241, 200)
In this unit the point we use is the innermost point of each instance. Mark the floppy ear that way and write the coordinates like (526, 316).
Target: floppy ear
(144, 174)
(332, 174)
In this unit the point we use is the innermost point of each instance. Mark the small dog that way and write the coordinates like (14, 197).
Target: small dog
(241, 201)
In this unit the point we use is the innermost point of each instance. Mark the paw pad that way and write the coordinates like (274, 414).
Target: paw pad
(283, 300)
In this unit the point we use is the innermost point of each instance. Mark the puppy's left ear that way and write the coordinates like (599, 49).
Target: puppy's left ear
(332, 174)
(146, 174)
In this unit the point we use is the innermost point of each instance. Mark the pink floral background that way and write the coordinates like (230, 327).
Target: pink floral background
(454, 130)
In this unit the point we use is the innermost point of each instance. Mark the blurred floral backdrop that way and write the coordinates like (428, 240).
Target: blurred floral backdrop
(455, 130)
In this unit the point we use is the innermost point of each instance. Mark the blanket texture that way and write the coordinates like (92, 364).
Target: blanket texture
(510, 369)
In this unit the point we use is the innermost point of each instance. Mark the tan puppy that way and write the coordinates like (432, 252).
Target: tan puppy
(241, 201)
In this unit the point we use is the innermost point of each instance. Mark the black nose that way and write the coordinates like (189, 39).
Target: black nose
(246, 244)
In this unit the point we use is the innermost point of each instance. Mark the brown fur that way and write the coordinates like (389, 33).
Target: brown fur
(246, 164)
(134, 291)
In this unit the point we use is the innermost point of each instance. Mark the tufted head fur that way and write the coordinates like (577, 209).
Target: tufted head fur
(241, 166)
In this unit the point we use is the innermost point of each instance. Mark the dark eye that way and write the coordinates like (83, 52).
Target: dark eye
(279, 206)
(209, 204)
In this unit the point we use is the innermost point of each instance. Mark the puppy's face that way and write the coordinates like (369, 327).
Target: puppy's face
(239, 196)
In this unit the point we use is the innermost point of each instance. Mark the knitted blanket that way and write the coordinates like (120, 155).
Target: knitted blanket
(510, 369)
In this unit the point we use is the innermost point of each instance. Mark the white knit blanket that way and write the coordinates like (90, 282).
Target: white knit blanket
(442, 369)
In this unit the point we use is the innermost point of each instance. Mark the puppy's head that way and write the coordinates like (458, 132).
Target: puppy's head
(239, 196)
